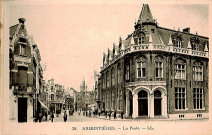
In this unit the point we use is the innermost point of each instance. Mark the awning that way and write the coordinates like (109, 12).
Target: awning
(43, 105)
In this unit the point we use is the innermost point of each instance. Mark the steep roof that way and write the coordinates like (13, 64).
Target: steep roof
(145, 15)
(13, 29)
(166, 33)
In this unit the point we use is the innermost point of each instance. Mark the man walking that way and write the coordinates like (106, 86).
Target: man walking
(65, 116)
(52, 116)
(115, 114)
(122, 114)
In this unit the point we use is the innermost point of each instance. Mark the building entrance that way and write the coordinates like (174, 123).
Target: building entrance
(22, 109)
(157, 103)
(142, 103)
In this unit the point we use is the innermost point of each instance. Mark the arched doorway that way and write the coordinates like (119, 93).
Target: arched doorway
(157, 103)
(131, 103)
(142, 103)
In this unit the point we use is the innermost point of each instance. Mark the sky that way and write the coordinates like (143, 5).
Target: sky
(72, 36)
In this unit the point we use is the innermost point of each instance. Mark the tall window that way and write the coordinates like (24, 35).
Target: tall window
(120, 99)
(107, 74)
(22, 78)
(198, 98)
(180, 98)
(196, 46)
(103, 98)
(22, 49)
(179, 43)
(103, 81)
(113, 76)
(119, 73)
(180, 70)
(159, 67)
(108, 100)
(198, 71)
(141, 67)
(127, 74)
(52, 96)
(113, 100)
(141, 38)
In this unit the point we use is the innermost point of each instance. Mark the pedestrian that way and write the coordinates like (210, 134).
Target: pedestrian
(52, 116)
(89, 113)
(46, 115)
(122, 114)
(99, 113)
(40, 116)
(65, 116)
(109, 114)
(115, 114)
(86, 113)
(105, 114)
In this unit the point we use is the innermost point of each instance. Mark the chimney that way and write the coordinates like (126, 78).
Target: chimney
(21, 20)
(187, 30)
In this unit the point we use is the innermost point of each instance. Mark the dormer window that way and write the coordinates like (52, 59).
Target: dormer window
(141, 38)
(22, 49)
(195, 42)
(177, 40)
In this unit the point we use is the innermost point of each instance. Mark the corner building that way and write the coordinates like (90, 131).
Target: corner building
(156, 72)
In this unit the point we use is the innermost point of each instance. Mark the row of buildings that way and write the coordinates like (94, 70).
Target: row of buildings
(29, 93)
(155, 72)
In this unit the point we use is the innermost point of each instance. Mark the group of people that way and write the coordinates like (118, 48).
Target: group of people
(65, 117)
(108, 114)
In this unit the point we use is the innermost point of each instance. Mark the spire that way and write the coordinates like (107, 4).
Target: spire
(206, 47)
(189, 44)
(170, 41)
(145, 15)
(132, 40)
(150, 39)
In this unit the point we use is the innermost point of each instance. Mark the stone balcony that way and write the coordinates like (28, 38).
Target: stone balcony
(154, 47)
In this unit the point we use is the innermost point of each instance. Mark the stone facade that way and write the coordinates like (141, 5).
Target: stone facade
(156, 72)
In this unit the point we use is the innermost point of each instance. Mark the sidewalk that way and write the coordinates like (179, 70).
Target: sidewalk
(144, 119)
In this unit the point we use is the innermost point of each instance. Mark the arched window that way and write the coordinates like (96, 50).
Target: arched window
(113, 100)
(119, 73)
(141, 67)
(107, 75)
(120, 99)
(158, 67)
(197, 71)
(52, 96)
(103, 80)
(127, 72)
(113, 76)
(142, 94)
(108, 100)
(180, 70)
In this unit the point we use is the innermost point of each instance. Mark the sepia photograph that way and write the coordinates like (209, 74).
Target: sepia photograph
(105, 67)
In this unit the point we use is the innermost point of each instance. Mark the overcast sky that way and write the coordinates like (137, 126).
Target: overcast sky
(72, 36)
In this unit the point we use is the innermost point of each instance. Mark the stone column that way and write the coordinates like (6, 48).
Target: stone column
(135, 106)
(164, 105)
(127, 103)
(151, 98)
